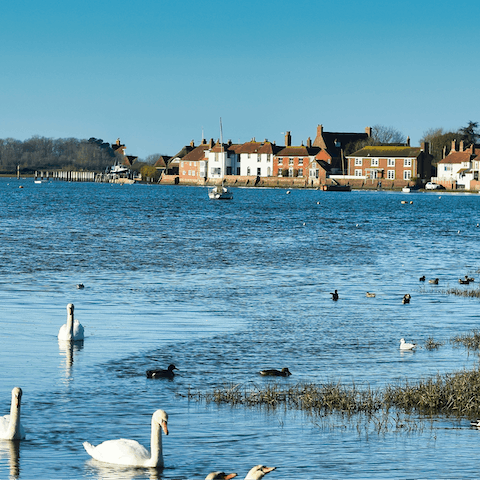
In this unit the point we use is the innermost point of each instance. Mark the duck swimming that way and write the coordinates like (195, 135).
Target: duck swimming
(334, 295)
(168, 373)
(434, 281)
(284, 372)
(370, 295)
(422, 279)
(406, 298)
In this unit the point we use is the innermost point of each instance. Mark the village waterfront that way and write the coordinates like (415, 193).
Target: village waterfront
(223, 290)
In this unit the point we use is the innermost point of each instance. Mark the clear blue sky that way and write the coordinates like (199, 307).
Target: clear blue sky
(155, 72)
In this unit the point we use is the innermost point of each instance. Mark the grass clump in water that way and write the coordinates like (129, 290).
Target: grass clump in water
(475, 293)
(470, 340)
(431, 344)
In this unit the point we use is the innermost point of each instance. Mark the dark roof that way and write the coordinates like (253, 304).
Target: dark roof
(387, 151)
(198, 153)
(186, 149)
(335, 142)
(162, 161)
(295, 151)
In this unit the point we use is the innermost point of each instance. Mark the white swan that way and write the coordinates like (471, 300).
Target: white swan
(130, 452)
(220, 476)
(258, 472)
(406, 346)
(72, 330)
(10, 426)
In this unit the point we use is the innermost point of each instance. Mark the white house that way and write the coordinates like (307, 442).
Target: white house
(458, 168)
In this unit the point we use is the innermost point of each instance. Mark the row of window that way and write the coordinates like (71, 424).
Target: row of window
(407, 162)
(407, 174)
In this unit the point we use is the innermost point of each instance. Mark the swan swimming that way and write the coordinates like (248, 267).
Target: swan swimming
(406, 346)
(10, 426)
(258, 472)
(130, 452)
(72, 330)
(220, 476)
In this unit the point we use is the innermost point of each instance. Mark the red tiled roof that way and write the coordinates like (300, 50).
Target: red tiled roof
(300, 151)
(457, 157)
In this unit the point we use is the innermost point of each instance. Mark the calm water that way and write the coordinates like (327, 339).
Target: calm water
(222, 290)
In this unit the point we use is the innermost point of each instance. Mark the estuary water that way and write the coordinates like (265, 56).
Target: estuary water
(223, 290)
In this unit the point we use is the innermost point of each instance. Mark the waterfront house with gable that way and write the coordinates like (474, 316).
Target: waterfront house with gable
(193, 166)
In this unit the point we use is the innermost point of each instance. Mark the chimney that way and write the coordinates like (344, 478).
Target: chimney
(368, 131)
(444, 152)
(454, 144)
(426, 147)
(309, 142)
(192, 143)
(319, 130)
(288, 139)
(462, 147)
(408, 141)
(118, 141)
(211, 143)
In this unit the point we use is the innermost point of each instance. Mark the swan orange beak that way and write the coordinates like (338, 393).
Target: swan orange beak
(230, 475)
(165, 428)
(268, 469)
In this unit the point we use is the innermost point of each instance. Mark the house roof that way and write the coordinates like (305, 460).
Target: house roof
(257, 147)
(198, 153)
(457, 157)
(186, 149)
(300, 151)
(386, 151)
(335, 142)
(162, 161)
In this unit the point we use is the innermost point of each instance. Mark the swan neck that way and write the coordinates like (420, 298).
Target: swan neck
(14, 425)
(70, 324)
(156, 445)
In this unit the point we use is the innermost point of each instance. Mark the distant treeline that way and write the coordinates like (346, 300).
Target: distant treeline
(40, 153)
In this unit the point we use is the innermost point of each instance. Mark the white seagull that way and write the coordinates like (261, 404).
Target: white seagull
(406, 346)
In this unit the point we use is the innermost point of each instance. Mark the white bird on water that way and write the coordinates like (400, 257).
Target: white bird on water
(130, 452)
(406, 346)
(258, 472)
(72, 331)
(10, 426)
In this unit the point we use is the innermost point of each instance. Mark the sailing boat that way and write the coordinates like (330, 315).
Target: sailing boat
(220, 192)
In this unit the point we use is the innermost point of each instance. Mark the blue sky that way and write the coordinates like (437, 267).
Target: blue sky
(157, 73)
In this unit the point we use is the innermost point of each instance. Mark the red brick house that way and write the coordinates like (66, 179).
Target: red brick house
(391, 162)
(193, 166)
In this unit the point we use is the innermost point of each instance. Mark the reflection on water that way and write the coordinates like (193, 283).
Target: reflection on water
(104, 471)
(10, 450)
(67, 348)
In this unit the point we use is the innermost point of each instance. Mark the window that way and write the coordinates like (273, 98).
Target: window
(181, 163)
(259, 158)
(238, 170)
(248, 156)
(248, 170)
(358, 172)
(300, 161)
(269, 171)
(280, 161)
(407, 162)
(374, 162)
(391, 174)
(259, 171)
(184, 172)
(391, 162)
(300, 172)
(290, 172)
(407, 174)
(290, 161)
(269, 157)
(358, 162)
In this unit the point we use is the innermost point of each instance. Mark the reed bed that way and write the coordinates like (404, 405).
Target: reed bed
(431, 344)
(461, 292)
(454, 394)
(470, 341)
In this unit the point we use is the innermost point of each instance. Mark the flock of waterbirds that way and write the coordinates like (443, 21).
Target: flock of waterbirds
(122, 451)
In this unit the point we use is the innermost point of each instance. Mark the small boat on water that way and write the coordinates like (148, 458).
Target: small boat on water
(337, 188)
(409, 189)
(220, 192)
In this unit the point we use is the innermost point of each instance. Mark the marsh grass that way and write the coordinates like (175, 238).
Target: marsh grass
(431, 344)
(455, 394)
(470, 340)
(461, 292)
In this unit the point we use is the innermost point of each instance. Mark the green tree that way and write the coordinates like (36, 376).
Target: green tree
(469, 134)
